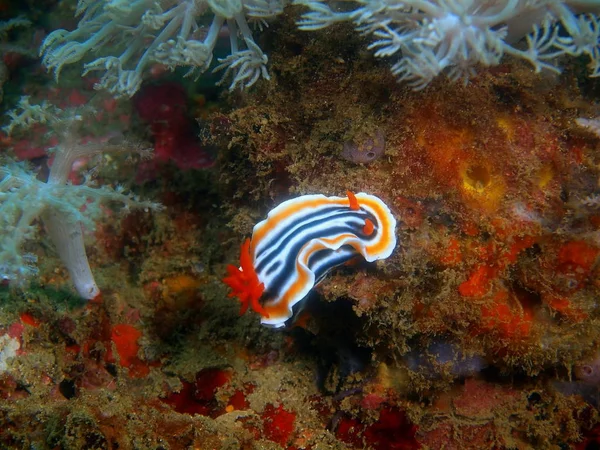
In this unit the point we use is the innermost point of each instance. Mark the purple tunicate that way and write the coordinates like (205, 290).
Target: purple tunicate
(441, 353)
(589, 392)
(365, 152)
(589, 371)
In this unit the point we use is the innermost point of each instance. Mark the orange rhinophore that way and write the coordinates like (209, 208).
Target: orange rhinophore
(353, 201)
(369, 227)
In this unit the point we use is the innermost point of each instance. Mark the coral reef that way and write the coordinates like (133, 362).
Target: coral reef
(481, 329)
(492, 185)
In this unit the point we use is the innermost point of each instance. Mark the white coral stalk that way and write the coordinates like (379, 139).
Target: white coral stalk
(64, 208)
(67, 238)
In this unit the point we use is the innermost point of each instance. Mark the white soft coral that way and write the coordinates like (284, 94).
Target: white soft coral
(431, 37)
(128, 36)
(65, 209)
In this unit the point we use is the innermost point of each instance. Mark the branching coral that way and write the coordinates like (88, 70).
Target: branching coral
(64, 208)
(27, 115)
(169, 32)
(454, 36)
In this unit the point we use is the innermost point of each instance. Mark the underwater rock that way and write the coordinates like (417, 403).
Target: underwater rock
(589, 392)
(441, 353)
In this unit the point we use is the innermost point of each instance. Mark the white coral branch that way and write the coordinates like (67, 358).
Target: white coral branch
(127, 37)
(64, 208)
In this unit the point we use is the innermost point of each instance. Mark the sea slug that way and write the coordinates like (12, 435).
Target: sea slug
(299, 242)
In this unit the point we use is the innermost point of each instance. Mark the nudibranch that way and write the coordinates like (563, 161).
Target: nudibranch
(299, 242)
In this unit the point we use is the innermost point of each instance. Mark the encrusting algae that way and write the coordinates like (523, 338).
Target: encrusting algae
(474, 326)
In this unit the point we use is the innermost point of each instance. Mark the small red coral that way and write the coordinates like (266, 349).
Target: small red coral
(237, 402)
(125, 338)
(278, 424)
(199, 397)
(208, 381)
(184, 402)
(393, 431)
(29, 319)
(349, 430)
(164, 107)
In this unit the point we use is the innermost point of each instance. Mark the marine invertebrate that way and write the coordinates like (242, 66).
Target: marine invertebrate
(365, 151)
(441, 354)
(64, 208)
(166, 32)
(125, 337)
(300, 242)
(453, 37)
(589, 371)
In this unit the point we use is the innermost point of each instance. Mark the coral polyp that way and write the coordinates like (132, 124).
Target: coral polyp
(477, 177)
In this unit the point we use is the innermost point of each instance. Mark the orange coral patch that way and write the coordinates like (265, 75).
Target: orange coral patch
(502, 319)
(577, 255)
(125, 338)
(28, 319)
(479, 282)
(469, 228)
(566, 309)
(519, 244)
(452, 256)
(182, 284)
